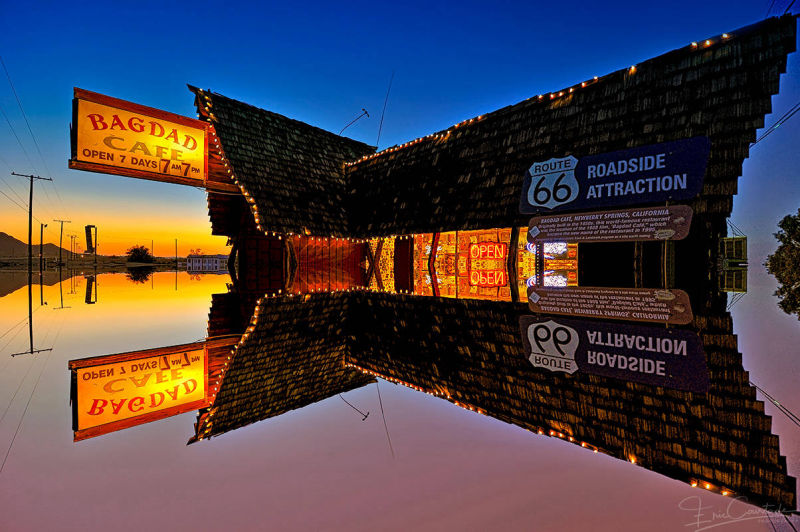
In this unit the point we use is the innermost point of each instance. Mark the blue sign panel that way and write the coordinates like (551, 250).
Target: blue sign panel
(671, 171)
(672, 358)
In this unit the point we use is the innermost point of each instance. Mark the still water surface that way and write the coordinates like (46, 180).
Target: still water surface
(322, 467)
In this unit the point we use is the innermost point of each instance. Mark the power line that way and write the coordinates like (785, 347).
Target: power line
(24, 377)
(788, 413)
(24, 116)
(383, 415)
(33, 137)
(13, 439)
(12, 189)
(782, 120)
(14, 132)
(23, 207)
(385, 101)
(769, 8)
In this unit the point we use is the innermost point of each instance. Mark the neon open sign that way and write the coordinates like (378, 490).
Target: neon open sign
(487, 264)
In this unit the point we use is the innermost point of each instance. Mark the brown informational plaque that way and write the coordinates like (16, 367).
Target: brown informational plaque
(626, 225)
(629, 304)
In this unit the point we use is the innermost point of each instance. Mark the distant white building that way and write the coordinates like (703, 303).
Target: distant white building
(207, 263)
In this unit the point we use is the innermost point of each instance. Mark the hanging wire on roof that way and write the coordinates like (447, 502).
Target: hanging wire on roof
(787, 10)
(353, 121)
(364, 416)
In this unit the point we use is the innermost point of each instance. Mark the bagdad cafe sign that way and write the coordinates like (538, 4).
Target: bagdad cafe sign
(115, 136)
(114, 392)
(626, 225)
(629, 304)
(670, 171)
(671, 358)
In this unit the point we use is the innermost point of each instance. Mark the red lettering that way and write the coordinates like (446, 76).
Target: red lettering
(153, 402)
(137, 126)
(173, 393)
(98, 123)
(153, 126)
(116, 122)
(161, 376)
(98, 405)
(117, 406)
(186, 386)
(139, 402)
(173, 135)
(186, 143)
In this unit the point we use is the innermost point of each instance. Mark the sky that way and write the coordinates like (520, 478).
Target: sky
(322, 63)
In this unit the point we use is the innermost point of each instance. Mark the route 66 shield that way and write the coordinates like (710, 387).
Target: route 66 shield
(552, 182)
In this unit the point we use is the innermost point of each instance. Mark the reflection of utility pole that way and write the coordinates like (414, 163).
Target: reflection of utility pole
(61, 240)
(41, 255)
(176, 264)
(60, 290)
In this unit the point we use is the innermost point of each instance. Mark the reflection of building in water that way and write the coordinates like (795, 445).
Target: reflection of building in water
(470, 353)
(292, 355)
(206, 263)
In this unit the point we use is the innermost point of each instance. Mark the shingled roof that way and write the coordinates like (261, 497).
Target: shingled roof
(469, 176)
(293, 171)
(292, 356)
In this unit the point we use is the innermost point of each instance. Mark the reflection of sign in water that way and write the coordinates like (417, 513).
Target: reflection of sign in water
(118, 137)
(116, 391)
(560, 263)
(671, 358)
(651, 223)
(552, 346)
(630, 304)
(487, 264)
(648, 174)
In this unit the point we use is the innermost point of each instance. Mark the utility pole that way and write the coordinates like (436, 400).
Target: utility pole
(31, 177)
(30, 218)
(61, 239)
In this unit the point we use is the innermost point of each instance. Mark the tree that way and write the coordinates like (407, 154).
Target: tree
(784, 264)
(139, 254)
(140, 274)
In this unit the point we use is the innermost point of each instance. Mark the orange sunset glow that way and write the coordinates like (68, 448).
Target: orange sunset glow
(159, 212)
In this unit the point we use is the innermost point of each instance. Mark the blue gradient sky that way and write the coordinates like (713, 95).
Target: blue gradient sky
(321, 64)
